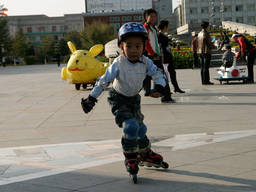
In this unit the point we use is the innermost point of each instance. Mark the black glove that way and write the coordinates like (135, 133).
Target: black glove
(158, 91)
(88, 103)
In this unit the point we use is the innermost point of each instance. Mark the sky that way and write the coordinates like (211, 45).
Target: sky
(47, 7)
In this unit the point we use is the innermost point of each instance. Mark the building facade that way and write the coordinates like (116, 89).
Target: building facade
(98, 6)
(216, 11)
(115, 18)
(35, 27)
(118, 12)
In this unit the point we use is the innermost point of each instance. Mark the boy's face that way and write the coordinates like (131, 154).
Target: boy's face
(151, 18)
(132, 48)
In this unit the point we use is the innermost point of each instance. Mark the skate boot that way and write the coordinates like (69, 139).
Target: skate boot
(150, 158)
(131, 164)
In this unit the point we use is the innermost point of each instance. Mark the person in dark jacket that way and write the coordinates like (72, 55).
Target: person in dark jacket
(194, 46)
(245, 49)
(167, 58)
(225, 40)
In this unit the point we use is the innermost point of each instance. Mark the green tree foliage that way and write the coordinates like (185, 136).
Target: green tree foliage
(96, 33)
(64, 50)
(19, 46)
(47, 47)
(5, 40)
(74, 37)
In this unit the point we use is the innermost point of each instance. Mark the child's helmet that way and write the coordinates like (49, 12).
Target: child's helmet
(132, 29)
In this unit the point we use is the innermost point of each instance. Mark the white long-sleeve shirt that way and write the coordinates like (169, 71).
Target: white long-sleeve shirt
(128, 77)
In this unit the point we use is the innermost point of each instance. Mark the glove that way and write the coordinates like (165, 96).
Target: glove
(158, 91)
(88, 103)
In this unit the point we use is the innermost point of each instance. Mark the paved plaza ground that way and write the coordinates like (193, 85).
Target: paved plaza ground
(47, 143)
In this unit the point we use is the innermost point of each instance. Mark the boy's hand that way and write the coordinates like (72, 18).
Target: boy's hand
(157, 92)
(88, 103)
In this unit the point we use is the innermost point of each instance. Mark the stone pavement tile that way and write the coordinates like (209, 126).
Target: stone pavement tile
(187, 157)
(20, 170)
(230, 147)
(20, 134)
(251, 174)
(3, 168)
(38, 140)
(74, 180)
(24, 187)
(202, 181)
(236, 161)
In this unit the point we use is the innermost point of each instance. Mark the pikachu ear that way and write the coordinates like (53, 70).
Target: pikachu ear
(72, 47)
(96, 50)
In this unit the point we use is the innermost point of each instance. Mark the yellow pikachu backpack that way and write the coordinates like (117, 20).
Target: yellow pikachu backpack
(83, 68)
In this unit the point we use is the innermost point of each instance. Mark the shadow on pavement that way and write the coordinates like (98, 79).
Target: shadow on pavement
(89, 182)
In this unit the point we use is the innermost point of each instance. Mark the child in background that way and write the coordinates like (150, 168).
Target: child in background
(128, 72)
(228, 57)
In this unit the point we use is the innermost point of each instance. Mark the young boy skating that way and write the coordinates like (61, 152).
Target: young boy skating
(128, 72)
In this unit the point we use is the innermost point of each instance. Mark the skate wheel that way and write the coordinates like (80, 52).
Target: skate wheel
(164, 165)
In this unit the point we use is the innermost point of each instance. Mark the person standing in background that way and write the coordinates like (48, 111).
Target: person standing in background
(152, 47)
(205, 46)
(153, 52)
(245, 49)
(194, 51)
(167, 54)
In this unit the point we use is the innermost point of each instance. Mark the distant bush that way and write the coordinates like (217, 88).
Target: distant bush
(182, 59)
(30, 60)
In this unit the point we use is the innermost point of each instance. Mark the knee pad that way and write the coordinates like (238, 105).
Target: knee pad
(142, 130)
(130, 129)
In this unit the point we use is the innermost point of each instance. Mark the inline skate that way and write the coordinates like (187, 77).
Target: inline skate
(131, 164)
(152, 159)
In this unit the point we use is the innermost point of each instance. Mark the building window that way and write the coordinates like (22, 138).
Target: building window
(204, 10)
(239, 8)
(227, 9)
(126, 18)
(137, 18)
(250, 7)
(41, 29)
(193, 10)
(239, 20)
(53, 28)
(114, 19)
(65, 28)
(228, 19)
(251, 20)
(29, 29)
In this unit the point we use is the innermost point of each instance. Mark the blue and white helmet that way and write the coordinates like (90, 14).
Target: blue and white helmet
(132, 29)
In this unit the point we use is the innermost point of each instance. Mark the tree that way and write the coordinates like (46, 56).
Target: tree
(5, 40)
(47, 47)
(64, 50)
(96, 33)
(19, 45)
(74, 37)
